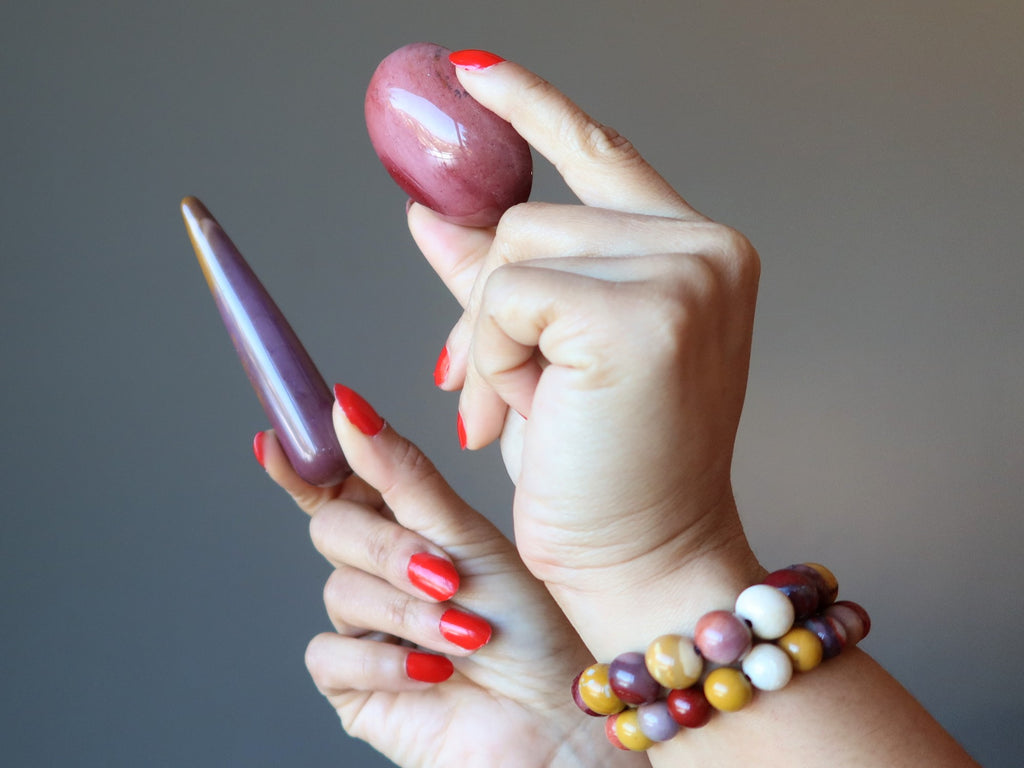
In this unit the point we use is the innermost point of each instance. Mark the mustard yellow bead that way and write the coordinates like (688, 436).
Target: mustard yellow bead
(673, 661)
(728, 689)
(627, 729)
(803, 648)
(596, 691)
(831, 582)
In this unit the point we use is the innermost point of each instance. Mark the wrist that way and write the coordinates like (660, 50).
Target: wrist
(622, 607)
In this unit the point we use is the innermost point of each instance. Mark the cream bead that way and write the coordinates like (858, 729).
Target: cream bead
(769, 612)
(768, 667)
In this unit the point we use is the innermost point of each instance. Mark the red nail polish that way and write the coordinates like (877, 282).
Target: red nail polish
(358, 411)
(466, 631)
(441, 369)
(257, 447)
(460, 427)
(433, 575)
(428, 668)
(474, 59)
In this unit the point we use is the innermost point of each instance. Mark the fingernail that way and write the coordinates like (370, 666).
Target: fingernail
(257, 447)
(441, 369)
(358, 411)
(474, 59)
(460, 427)
(428, 668)
(433, 575)
(466, 631)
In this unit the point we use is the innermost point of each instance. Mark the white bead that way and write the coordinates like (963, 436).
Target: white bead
(768, 667)
(768, 610)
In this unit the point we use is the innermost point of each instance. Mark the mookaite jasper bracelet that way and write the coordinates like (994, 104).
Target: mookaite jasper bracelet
(788, 623)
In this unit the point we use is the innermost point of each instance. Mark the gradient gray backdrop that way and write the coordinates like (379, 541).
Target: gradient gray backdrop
(158, 591)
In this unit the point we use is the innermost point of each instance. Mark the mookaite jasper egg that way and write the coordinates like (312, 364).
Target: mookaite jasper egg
(442, 147)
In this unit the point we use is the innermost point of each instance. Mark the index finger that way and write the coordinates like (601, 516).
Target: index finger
(600, 166)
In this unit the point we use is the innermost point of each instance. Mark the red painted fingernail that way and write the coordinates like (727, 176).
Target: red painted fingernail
(257, 447)
(433, 575)
(474, 59)
(466, 631)
(428, 668)
(358, 411)
(441, 369)
(460, 427)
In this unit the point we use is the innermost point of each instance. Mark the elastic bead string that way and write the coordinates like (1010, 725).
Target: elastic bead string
(789, 623)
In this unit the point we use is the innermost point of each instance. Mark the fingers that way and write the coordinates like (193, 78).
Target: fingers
(599, 165)
(357, 601)
(340, 665)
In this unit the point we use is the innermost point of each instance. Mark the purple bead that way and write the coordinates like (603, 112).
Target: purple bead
(830, 632)
(439, 144)
(803, 592)
(655, 721)
(722, 637)
(291, 390)
(630, 680)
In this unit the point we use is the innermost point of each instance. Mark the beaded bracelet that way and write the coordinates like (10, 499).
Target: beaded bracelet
(788, 623)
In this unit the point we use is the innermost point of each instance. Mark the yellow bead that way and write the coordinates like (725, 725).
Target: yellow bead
(596, 691)
(627, 729)
(803, 648)
(728, 689)
(673, 661)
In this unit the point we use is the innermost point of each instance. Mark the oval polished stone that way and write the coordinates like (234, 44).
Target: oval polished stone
(630, 680)
(769, 612)
(673, 661)
(840, 609)
(768, 667)
(656, 722)
(830, 632)
(828, 584)
(625, 727)
(722, 637)
(439, 144)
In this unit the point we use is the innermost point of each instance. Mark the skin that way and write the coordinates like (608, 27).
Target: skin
(607, 346)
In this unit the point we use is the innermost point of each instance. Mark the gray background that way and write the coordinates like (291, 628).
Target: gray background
(158, 591)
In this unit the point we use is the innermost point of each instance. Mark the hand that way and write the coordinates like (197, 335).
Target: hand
(508, 698)
(610, 341)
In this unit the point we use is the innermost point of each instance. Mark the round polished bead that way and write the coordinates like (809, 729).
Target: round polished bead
(830, 632)
(722, 637)
(596, 692)
(831, 582)
(673, 661)
(630, 679)
(626, 728)
(800, 588)
(769, 612)
(865, 620)
(727, 689)
(609, 732)
(689, 707)
(768, 667)
(656, 722)
(803, 648)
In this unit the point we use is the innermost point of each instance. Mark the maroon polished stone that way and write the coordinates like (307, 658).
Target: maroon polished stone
(630, 680)
(803, 591)
(439, 144)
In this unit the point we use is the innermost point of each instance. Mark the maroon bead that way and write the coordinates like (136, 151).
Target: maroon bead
(803, 592)
(826, 595)
(722, 637)
(859, 610)
(830, 632)
(579, 699)
(630, 680)
(689, 707)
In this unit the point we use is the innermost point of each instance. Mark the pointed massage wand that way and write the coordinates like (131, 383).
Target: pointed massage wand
(292, 391)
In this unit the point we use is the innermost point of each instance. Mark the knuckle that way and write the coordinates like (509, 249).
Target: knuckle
(379, 546)
(605, 143)
(396, 612)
